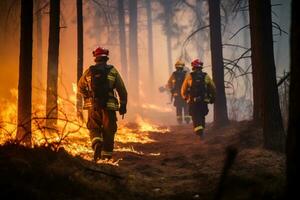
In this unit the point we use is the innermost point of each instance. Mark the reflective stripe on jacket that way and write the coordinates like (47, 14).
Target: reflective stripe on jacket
(211, 88)
(115, 83)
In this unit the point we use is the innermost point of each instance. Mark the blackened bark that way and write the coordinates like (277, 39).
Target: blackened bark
(256, 51)
(79, 52)
(25, 73)
(133, 49)
(167, 4)
(294, 109)
(220, 107)
(122, 38)
(52, 71)
(263, 57)
(39, 41)
(150, 42)
(201, 37)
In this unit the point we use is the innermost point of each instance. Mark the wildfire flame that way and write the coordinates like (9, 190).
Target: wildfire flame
(71, 133)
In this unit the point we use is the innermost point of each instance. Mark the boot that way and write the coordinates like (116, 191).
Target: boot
(201, 134)
(97, 151)
(106, 157)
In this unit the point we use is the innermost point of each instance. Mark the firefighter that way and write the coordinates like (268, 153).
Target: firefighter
(198, 90)
(174, 85)
(98, 86)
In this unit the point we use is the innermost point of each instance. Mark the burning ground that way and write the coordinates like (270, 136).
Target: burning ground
(150, 162)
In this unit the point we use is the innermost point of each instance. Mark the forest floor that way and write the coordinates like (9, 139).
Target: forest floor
(177, 165)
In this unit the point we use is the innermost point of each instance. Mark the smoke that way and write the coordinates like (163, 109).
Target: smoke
(101, 29)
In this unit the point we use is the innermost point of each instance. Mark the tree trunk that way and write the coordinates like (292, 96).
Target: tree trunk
(39, 41)
(198, 43)
(168, 16)
(79, 52)
(294, 108)
(25, 73)
(133, 49)
(263, 57)
(52, 71)
(220, 107)
(256, 51)
(122, 38)
(150, 43)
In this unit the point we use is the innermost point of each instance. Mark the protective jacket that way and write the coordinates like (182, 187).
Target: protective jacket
(199, 90)
(114, 84)
(174, 85)
(194, 90)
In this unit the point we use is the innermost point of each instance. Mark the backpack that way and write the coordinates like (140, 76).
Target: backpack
(99, 84)
(198, 88)
(179, 78)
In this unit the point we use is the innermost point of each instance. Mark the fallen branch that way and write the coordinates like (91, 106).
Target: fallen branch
(101, 172)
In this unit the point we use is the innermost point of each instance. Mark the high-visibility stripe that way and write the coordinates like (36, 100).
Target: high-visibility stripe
(95, 139)
(188, 117)
(88, 104)
(111, 104)
(106, 153)
(198, 128)
(113, 71)
(111, 100)
(111, 78)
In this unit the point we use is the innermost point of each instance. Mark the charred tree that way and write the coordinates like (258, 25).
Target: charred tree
(25, 73)
(220, 107)
(122, 38)
(150, 42)
(263, 63)
(133, 49)
(79, 52)
(167, 6)
(256, 51)
(52, 71)
(294, 108)
(200, 45)
(39, 40)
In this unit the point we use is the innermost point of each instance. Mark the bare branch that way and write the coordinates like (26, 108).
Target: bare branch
(246, 26)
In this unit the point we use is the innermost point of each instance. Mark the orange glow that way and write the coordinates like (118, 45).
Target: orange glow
(156, 108)
(71, 133)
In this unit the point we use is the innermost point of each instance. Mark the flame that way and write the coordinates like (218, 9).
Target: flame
(71, 133)
(146, 126)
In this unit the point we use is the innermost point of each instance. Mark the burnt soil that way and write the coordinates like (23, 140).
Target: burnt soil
(177, 166)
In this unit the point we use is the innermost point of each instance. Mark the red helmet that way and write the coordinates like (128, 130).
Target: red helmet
(197, 63)
(100, 52)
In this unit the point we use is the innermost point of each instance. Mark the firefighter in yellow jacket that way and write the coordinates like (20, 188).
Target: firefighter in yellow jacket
(174, 85)
(198, 90)
(98, 86)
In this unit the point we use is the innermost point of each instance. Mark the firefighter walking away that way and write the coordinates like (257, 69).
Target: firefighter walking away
(98, 86)
(174, 85)
(198, 90)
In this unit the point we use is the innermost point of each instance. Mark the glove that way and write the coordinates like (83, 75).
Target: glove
(122, 109)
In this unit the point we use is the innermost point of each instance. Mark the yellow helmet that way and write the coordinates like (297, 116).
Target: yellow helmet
(179, 63)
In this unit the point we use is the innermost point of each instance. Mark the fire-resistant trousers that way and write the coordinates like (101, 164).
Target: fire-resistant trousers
(182, 112)
(198, 111)
(102, 125)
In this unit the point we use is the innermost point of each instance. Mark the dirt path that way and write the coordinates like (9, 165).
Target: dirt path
(178, 164)
(175, 165)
